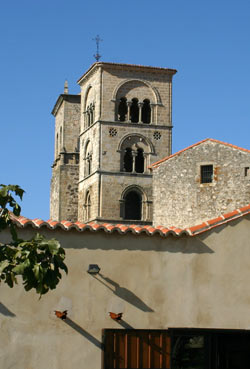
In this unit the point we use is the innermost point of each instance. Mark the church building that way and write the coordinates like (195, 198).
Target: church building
(157, 244)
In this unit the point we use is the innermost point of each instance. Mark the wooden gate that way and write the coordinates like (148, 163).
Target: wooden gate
(133, 349)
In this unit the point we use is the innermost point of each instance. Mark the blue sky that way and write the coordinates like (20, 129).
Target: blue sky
(45, 42)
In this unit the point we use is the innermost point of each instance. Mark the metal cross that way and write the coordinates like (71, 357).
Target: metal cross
(97, 40)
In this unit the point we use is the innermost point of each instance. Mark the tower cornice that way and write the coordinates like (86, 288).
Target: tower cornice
(122, 66)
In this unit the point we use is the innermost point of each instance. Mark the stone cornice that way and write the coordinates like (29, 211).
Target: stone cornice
(121, 66)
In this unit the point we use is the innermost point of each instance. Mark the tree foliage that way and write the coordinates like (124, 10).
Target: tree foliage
(38, 261)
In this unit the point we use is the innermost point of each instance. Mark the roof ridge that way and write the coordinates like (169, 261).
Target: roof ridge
(157, 163)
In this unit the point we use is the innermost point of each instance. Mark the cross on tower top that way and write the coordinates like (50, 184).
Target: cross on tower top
(97, 40)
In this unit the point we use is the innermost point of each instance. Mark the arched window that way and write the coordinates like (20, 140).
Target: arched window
(128, 160)
(122, 109)
(146, 111)
(139, 161)
(135, 151)
(88, 206)
(132, 206)
(134, 111)
(88, 160)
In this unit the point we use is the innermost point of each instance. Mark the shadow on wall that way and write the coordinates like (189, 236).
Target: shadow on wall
(5, 311)
(124, 293)
(104, 241)
(84, 333)
(124, 324)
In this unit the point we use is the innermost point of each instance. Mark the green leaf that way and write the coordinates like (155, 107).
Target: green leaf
(19, 269)
(36, 270)
(3, 265)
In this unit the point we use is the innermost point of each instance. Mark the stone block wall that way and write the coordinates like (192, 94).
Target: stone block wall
(89, 142)
(184, 200)
(113, 134)
(112, 190)
(137, 83)
(71, 126)
(89, 185)
(64, 193)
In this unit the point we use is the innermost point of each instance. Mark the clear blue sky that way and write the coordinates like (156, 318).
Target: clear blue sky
(45, 42)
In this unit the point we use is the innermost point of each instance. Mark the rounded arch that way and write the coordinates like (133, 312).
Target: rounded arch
(136, 141)
(85, 146)
(136, 188)
(132, 199)
(155, 94)
(88, 94)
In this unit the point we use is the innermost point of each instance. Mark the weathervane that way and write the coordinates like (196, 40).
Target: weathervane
(97, 40)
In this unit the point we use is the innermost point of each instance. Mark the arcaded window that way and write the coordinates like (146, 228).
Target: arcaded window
(128, 160)
(135, 153)
(206, 173)
(139, 161)
(122, 109)
(90, 114)
(133, 202)
(146, 111)
(134, 111)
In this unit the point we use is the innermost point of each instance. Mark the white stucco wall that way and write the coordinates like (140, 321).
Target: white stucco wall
(199, 282)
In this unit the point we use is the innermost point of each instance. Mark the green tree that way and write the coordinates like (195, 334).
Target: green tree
(38, 261)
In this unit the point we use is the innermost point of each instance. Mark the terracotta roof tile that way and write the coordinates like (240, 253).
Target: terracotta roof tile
(133, 228)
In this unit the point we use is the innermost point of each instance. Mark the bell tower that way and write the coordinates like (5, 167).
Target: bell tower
(125, 125)
(65, 168)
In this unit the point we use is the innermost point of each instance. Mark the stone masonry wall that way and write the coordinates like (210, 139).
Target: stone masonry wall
(162, 83)
(69, 175)
(65, 172)
(184, 201)
(113, 134)
(54, 194)
(91, 185)
(71, 126)
(112, 188)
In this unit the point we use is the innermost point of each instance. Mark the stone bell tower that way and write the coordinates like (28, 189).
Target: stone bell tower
(105, 139)
(65, 168)
(125, 125)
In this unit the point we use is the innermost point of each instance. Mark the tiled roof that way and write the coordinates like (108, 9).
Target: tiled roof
(157, 163)
(134, 229)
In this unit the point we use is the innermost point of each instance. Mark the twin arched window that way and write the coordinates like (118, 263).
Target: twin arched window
(90, 114)
(135, 150)
(133, 161)
(134, 111)
(88, 159)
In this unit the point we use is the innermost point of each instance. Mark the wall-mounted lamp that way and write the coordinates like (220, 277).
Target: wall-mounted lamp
(61, 314)
(115, 316)
(93, 269)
